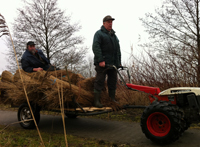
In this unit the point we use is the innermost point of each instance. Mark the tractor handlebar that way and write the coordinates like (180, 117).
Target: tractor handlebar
(120, 68)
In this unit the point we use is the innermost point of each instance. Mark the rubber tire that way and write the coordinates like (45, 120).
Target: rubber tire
(172, 113)
(30, 124)
(72, 116)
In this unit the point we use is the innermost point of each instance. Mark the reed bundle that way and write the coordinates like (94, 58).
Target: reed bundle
(7, 76)
(43, 88)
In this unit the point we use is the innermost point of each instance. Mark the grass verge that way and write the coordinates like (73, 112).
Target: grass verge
(15, 137)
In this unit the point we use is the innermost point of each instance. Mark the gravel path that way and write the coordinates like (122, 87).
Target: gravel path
(114, 131)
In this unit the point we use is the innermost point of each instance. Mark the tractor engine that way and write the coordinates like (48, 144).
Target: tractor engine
(188, 99)
(190, 105)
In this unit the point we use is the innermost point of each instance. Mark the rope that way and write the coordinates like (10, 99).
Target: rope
(54, 81)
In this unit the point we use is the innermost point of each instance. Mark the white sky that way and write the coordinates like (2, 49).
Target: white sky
(89, 14)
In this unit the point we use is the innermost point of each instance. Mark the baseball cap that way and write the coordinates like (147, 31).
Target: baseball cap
(30, 43)
(108, 17)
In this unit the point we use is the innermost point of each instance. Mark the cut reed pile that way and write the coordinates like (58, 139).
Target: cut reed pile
(43, 88)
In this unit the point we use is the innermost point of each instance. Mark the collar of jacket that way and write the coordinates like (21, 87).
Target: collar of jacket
(29, 53)
(106, 31)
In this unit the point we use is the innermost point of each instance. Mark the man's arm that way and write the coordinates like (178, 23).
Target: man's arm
(27, 68)
(119, 51)
(120, 63)
(42, 54)
(97, 49)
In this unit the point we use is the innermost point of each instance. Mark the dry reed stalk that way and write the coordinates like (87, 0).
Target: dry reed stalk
(15, 96)
(24, 87)
(7, 76)
(28, 81)
(63, 113)
(61, 105)
(58, 73)
(87, 84)
(73, 78)
(4, 87)
(52, 95)
(130, 97)
(7, 85)
(24, 76)
(53, 81)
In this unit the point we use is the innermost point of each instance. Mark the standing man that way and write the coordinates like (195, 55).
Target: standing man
(106, 51)
(33, 59)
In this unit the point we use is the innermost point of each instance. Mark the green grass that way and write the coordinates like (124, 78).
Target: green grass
(7, 107)
(14, 137)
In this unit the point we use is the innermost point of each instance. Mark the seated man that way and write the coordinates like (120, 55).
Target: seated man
(34, 59)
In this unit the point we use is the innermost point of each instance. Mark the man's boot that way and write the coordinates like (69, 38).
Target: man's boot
(112, 95)
(97, 97)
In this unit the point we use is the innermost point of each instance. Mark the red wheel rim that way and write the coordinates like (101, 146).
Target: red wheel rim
(158, 124)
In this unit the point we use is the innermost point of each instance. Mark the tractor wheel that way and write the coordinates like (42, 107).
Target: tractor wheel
(187, 124)
(161, 122)
(24, 113)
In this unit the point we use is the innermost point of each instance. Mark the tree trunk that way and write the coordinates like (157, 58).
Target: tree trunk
(198, 45)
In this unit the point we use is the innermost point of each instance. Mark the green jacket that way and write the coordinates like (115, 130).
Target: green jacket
(106, 47)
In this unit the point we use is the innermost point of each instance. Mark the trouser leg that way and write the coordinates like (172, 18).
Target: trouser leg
(97, 97)
(100, 78)
(99, 85)
(112, 81)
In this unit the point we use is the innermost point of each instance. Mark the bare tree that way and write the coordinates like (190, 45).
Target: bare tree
(174, 47)
(88, 69)
(43, 22)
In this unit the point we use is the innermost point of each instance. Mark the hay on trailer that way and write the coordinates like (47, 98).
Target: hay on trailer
(28, 80)
(58, 73)
(7, 76)
(42, 88)
(4, 87)
(67, 76)
(7, 85)
(87, 84)
(52, 82)
(38, 83)
(72, 78)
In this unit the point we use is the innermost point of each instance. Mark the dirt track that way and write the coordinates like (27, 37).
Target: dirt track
(118, 132)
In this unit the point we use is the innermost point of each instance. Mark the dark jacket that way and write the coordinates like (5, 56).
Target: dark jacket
(106, 47)
(29, 61)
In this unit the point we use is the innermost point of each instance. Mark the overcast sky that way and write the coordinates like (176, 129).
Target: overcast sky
(89, 14)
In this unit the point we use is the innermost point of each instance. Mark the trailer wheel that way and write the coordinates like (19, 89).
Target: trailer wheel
(24, 113)
(161, 122)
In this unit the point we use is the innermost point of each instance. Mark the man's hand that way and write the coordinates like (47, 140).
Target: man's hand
(36, 69)
(121, 67)
(39, 68)
(102, 64)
